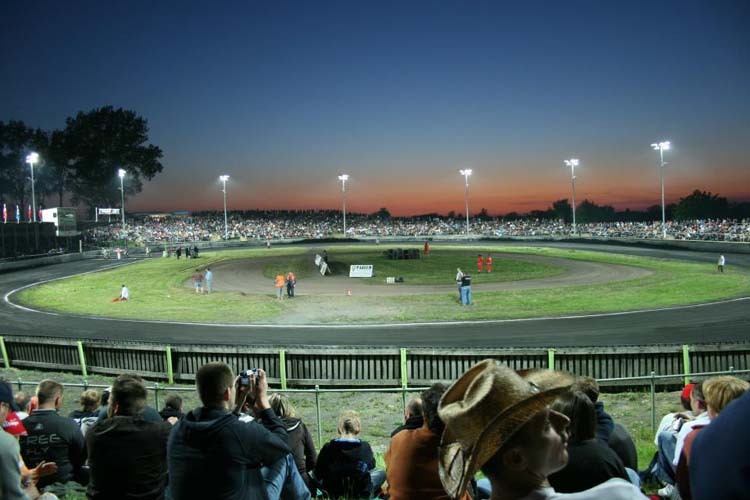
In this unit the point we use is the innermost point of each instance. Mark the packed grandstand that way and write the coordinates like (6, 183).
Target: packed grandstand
(324, 224)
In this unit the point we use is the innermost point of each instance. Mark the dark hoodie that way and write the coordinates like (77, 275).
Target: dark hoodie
(212, 454)
(301, 443)
(343, 468)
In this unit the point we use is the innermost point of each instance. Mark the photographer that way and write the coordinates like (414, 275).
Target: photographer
(213, 454)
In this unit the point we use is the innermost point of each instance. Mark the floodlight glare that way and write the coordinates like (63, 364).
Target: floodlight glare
(661, 147)
(224, 179)
(573, 163)
(121, 173)
(32, 158)
(343, 178)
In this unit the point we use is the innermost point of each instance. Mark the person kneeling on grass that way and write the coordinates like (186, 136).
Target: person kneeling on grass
(124, 295)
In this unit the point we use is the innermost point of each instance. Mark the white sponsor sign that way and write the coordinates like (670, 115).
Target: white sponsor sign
(323, 268)
(360, 271)
(109, 211)
(318, 258)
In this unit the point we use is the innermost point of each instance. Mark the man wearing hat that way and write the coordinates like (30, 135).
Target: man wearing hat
(499, 421)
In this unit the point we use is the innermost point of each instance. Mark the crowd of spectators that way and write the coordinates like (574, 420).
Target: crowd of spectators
(535, 435)
(269, 226)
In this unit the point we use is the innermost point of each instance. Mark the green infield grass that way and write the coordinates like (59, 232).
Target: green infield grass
(159, 293)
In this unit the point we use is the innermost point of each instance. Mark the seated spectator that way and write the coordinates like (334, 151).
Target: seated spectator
(22, 402)
(89, 402)
(500, 422)
(172, 408)
(719, 392)
(608, 431)
(720, 460)
(53, 438)
(212, 454)
(412, 416)
(412, 457)
(127, 455)
(346, 465)
(300, 440)
(590, 460)
(149, 414)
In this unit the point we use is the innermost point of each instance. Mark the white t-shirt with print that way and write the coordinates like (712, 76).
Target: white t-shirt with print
(614, 489)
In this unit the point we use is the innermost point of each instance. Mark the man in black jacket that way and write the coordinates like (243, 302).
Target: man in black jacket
(213, 454)
(127, 454)
(53, 438)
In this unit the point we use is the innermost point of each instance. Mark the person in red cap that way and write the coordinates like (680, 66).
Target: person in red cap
(480, 263)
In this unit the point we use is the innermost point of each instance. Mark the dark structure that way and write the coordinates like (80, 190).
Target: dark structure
(402, 254)
(26, 239)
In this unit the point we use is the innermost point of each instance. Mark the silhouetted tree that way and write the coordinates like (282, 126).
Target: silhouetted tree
(701, 205)
(97, 144)
(563, 210)
(16, 141)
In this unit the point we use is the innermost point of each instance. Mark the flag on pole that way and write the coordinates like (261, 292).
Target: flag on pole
(30, 214)
(5, 213)
(18, 214)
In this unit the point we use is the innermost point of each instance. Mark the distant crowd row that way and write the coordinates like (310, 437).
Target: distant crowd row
(535, 435)
(327, 224)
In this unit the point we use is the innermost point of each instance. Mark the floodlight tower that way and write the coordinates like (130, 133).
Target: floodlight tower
(466, 172)
(32, 158)
(343, 178)
(573, 163)
(224, 179)
(121, 173)
(661, 147)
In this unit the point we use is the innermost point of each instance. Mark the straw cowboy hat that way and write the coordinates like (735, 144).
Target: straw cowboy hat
(483, 409)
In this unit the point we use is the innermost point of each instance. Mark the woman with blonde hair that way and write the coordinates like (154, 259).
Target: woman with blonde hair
(346, 465)
(300, 440)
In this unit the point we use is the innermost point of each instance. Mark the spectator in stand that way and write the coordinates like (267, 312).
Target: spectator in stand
(172, 408)
(662, 467)
(213, 454)
(720, 460)
(500, 422)
(412, 457)
(127, 454)
(719, 392)
(89, 402)
(412, 417)
(53, 438)
(607, 431)
(22, 402)
(590, 460)
(346, 465)
(299, 438)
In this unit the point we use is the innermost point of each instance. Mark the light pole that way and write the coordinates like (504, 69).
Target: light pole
(466, 172)
(343, 178)
(661, 147)
(224, 179)
(32, 158)
(573, 163)
(121, 173)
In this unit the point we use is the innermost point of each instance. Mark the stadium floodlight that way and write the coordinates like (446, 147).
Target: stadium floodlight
(121, 173)
(661, 147)
(224, 179)
(32, 159)
(466, 172)
(343, 178)
(573, 163)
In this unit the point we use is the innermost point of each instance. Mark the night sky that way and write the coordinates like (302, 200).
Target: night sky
(284, 96)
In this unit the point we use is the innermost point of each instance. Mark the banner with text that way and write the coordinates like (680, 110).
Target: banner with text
(360, 271)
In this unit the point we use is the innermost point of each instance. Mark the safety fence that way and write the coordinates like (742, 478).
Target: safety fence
(651, 381)
(306, 366)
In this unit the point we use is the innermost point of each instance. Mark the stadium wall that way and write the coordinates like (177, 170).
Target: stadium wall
(370, 367)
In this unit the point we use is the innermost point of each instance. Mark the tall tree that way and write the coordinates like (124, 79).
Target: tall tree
(16, 141)
(701, 205)
(99, 143)
(563, 210)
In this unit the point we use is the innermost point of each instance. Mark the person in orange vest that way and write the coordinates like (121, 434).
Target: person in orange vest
(479, 263)
(488, 263)
(291, 282)
(427, 248)
(279, 282)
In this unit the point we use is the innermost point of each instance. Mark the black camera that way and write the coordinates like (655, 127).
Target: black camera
(245, 376)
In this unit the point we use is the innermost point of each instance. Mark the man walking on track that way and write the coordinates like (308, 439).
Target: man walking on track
(488, 263)
(480, 261)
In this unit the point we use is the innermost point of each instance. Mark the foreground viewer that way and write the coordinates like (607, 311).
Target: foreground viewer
(500, 422)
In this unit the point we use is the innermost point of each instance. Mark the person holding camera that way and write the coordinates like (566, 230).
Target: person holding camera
(213, 453)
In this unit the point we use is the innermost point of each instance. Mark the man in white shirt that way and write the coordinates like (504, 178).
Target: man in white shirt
(124, 293)
(722, 261)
